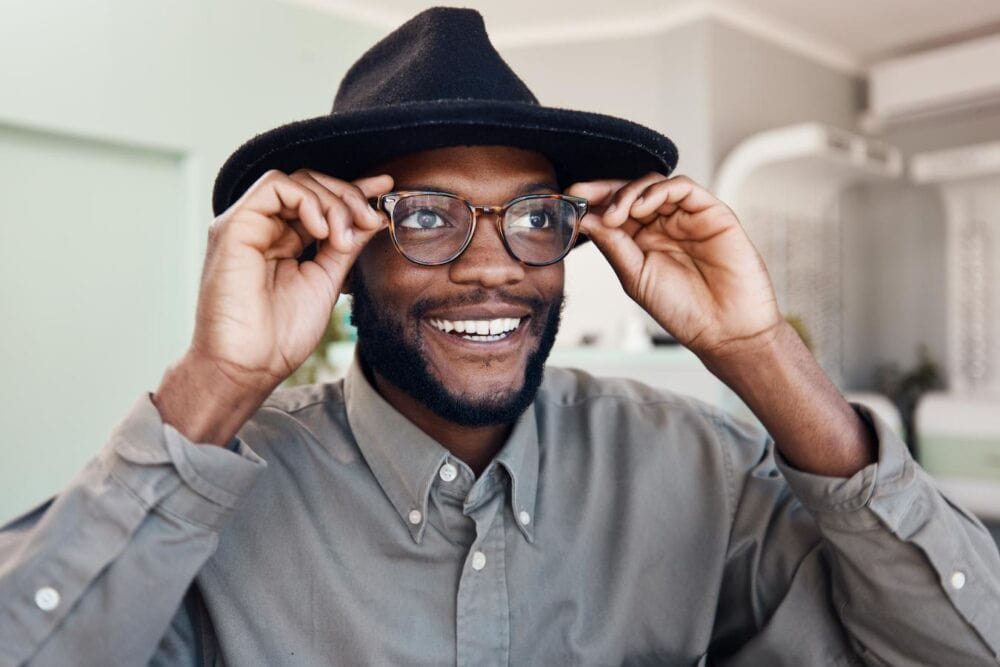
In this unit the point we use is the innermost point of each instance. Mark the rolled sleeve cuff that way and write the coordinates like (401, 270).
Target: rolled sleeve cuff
(885, 491)
(896, 496)
(214, 479)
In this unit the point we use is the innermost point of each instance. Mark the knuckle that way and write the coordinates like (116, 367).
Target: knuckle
(309, 196)
(354, 195)
(272, 176)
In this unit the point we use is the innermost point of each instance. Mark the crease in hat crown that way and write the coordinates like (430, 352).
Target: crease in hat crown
(443, 53)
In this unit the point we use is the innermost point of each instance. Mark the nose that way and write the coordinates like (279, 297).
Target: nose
(486, 261)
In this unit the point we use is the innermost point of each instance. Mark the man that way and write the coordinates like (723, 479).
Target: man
(445, 504)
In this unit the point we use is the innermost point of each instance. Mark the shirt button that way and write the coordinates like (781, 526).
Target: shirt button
(478, 561)
(524, 518)
(957, 580)
(47, 598)
(448, 472)
(415, 517)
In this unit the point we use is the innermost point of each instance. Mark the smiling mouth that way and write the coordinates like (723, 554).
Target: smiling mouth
(479, 331)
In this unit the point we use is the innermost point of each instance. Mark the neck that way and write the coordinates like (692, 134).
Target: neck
(475, 445)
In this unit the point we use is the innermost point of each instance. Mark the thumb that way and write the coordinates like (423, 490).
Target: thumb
(618, 247)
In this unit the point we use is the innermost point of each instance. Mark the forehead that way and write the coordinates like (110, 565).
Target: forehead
(487, 173)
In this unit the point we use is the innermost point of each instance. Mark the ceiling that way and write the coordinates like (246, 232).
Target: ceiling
(849, 34)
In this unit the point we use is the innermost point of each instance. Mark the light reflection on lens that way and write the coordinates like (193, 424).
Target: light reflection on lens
(435, 228)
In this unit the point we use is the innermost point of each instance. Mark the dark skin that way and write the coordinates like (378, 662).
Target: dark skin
(678, 252)
(483, 176)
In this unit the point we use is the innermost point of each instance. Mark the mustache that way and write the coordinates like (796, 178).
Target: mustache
(477, 297)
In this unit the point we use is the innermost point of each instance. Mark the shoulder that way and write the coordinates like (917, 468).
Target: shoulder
(307, 414)
(628, 419)
(570, 387)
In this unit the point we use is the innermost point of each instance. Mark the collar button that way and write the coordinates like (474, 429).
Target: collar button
(448, 472)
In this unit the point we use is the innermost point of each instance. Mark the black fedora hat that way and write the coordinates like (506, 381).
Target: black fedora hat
(437, 81)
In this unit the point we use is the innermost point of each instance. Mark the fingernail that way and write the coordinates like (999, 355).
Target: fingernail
(637, 201)
(611, 207)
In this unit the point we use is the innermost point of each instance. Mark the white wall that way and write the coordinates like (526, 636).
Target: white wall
(114, 118)
(756, 85)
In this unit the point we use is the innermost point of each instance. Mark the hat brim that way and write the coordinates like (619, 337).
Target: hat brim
(581, 145)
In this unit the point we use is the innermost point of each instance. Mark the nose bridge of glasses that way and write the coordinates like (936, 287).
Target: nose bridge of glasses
(486, 210)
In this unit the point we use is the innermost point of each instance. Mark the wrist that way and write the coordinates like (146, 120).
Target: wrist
(740, 360)
(203, 402)
(778, 378)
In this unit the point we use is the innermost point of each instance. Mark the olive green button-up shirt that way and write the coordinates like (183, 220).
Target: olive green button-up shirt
(618, 525)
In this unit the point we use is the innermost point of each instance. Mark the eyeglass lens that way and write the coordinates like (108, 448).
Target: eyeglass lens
(435, 228)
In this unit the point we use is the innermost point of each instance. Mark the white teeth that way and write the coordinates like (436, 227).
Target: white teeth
(479, 330)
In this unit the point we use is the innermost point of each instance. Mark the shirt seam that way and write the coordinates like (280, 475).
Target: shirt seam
(159, 509)
(128, 489)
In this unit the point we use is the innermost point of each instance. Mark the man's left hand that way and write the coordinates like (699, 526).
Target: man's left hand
(682, 255)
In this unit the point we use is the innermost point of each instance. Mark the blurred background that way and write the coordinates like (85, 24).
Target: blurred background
(859, 142)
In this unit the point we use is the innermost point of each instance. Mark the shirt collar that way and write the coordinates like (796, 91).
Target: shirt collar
(405, 460)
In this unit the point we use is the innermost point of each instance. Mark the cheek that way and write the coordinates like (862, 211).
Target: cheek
(549, 280)
(378, 262)
(392, 280)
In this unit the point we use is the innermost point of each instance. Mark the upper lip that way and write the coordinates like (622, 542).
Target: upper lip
(480, 313)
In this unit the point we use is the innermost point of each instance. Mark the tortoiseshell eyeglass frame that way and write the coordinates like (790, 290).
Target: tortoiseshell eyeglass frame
(388, 201)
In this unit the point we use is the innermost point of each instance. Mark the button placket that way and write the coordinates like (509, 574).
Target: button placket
(483, 609)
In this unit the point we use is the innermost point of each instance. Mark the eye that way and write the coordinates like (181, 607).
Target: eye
(424, 218)
(535, 219)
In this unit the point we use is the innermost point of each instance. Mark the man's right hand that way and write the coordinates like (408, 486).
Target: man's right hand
(260, 311)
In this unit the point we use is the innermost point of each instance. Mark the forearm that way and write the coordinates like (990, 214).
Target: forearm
(812, 424)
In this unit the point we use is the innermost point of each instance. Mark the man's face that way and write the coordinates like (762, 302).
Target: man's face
(402, 310)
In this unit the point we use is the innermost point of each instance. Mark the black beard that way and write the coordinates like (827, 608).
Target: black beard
(387, 349)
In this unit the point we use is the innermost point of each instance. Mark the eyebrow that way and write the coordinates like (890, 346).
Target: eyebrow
(532, 187)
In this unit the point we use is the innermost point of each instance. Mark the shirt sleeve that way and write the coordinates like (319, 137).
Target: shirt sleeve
(879, 568)
(95, 575)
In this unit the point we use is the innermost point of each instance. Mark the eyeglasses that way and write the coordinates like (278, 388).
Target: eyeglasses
(432, 228)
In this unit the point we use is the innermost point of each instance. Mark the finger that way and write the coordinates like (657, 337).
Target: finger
(597, 193)
(617, 246)
(356, 195)
(618, 210)
(340, 217)
(373, 186)
(290, 244)
(276, 196)
(676, 194)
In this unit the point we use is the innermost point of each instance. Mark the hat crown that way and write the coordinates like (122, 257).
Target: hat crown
(442, 53)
